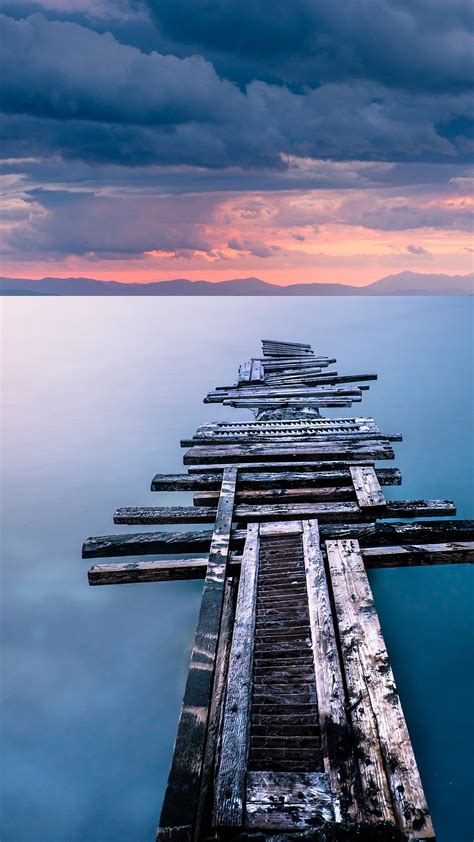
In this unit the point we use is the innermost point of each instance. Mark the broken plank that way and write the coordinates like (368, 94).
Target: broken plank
(180, 805)
(391, 786)
(366, 487)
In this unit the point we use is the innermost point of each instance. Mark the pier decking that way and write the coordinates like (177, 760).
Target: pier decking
(291, 723)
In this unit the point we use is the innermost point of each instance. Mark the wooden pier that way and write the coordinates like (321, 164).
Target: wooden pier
(291, 724)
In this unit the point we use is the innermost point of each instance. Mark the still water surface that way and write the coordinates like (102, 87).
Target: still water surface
(96, 394)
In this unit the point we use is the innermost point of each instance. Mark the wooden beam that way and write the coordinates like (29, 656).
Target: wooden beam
(325, 512)
(148, 571)
(371, 535)
(284, 479)
(454, 552)
(180, 805)
(214, 454)
(255, 437)
(391, 786)
(335, 733)
(271, 466)
(367, 487)
(412, 555)
(230, 789)
(279, 495)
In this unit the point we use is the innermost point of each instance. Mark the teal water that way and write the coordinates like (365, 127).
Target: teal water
(96, 394)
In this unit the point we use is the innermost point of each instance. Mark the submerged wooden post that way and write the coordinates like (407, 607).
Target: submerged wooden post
(291, 721)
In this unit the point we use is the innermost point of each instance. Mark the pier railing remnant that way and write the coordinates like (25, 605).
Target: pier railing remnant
(291, 721)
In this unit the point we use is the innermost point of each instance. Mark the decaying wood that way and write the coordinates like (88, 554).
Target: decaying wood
(367, 487)
(230, 789)
(325, 512)
(285, 479)
(373, 535)
(391, 784)
(301, 450)
(336, 738)
(180, 805)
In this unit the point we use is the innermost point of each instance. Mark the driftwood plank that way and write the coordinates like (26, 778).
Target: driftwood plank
(455, 552)
(371, 535)
(230, 789)
(270, 403)
(335, 734)
(367, 487)
(279, 495)
(284, 479)
(276, 452)
(148, 571)
(326, 512)
(305, 436)
(180, 805)
(391, 784)
(271, 465)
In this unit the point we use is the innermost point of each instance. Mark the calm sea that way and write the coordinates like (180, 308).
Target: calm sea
(96, 394)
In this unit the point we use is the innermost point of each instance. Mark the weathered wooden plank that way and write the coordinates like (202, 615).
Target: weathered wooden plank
(148, 571)
(244, 371)
(257, 373)
(268, 403)
(279, 495)
(283, 391)
(164, 514)
(335, 734)
(284, 479)
(252, 437)
(230, 789)
(391, 785)
(180, 805)
(324, 511)
(276, 467)
(454, 552)
(328, 511)
(367, 487)
(287, 800)
(324, 378)
(371, 535)
(206, 794)
(286, 344)
(214, 454)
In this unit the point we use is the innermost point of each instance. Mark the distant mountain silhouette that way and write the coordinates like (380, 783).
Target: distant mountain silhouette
(404, 283)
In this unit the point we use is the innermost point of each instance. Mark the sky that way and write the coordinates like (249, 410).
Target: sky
(212, 139)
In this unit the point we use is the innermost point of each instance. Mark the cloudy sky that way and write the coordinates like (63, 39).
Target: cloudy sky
(294, 141)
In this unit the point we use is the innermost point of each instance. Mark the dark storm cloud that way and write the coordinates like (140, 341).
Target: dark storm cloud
(86, 96)
(414, 43)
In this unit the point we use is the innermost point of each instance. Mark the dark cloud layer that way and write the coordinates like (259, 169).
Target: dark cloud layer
(85, 95)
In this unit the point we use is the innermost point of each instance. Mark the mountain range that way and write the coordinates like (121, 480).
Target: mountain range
(403, 283)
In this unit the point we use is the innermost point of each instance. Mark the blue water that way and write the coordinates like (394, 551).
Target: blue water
(96, 394)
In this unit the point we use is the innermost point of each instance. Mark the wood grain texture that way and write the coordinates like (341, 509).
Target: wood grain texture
(180, 805)
(335, 733)
(391, 785)
(372, 535)
(230, 789)
(295, 452)
(367, 487)
(285, 479)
